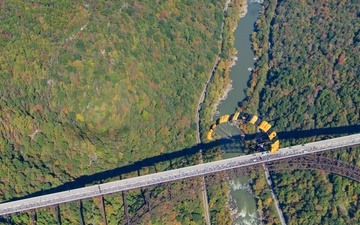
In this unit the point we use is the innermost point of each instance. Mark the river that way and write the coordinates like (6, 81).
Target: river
(242, 201)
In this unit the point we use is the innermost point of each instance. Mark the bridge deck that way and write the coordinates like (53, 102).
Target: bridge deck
(173, 175)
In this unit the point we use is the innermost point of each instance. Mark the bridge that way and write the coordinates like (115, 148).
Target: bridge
(177, 174)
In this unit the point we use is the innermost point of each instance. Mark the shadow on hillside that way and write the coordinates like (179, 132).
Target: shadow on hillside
(98, 177)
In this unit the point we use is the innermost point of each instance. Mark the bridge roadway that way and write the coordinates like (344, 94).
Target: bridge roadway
(174, 175)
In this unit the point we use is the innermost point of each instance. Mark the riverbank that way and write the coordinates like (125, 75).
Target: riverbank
(215, 90)
(215, 112)
(244, 9)
(197, 118)
(229, 87)
(242, 203)
(239, 74)
(243, 209)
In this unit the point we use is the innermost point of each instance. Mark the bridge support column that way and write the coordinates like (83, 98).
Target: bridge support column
(8, 219)
(169, 190)
(126, 209)
(33, 216)
(103, 209)
(147, 197)
(81, 213)
(57, 211)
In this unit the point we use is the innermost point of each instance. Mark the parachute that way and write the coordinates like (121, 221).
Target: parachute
(263, 125)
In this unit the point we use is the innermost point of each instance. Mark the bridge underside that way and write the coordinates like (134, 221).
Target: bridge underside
(305, 162)
(318, 162)
(153, 199)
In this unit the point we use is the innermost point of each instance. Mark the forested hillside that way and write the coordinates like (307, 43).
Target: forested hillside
(307, 77)
(314, 65)
(89, 86)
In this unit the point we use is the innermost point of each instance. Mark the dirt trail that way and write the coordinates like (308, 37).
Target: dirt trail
(201, 100)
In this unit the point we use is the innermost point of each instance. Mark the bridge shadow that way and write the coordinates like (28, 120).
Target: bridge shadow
(117, 172)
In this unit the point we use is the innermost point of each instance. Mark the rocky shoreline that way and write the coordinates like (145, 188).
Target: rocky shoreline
(243, 12)
(244, 9)
(224, 97)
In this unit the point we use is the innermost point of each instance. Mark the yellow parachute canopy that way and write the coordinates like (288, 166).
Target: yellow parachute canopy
(263, 125)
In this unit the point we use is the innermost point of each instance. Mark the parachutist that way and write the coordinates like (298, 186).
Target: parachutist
(261, 145)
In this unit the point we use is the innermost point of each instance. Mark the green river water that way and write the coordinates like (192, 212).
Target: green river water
(242, 201)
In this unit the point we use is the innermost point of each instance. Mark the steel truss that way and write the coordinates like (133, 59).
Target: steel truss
(317, 162)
